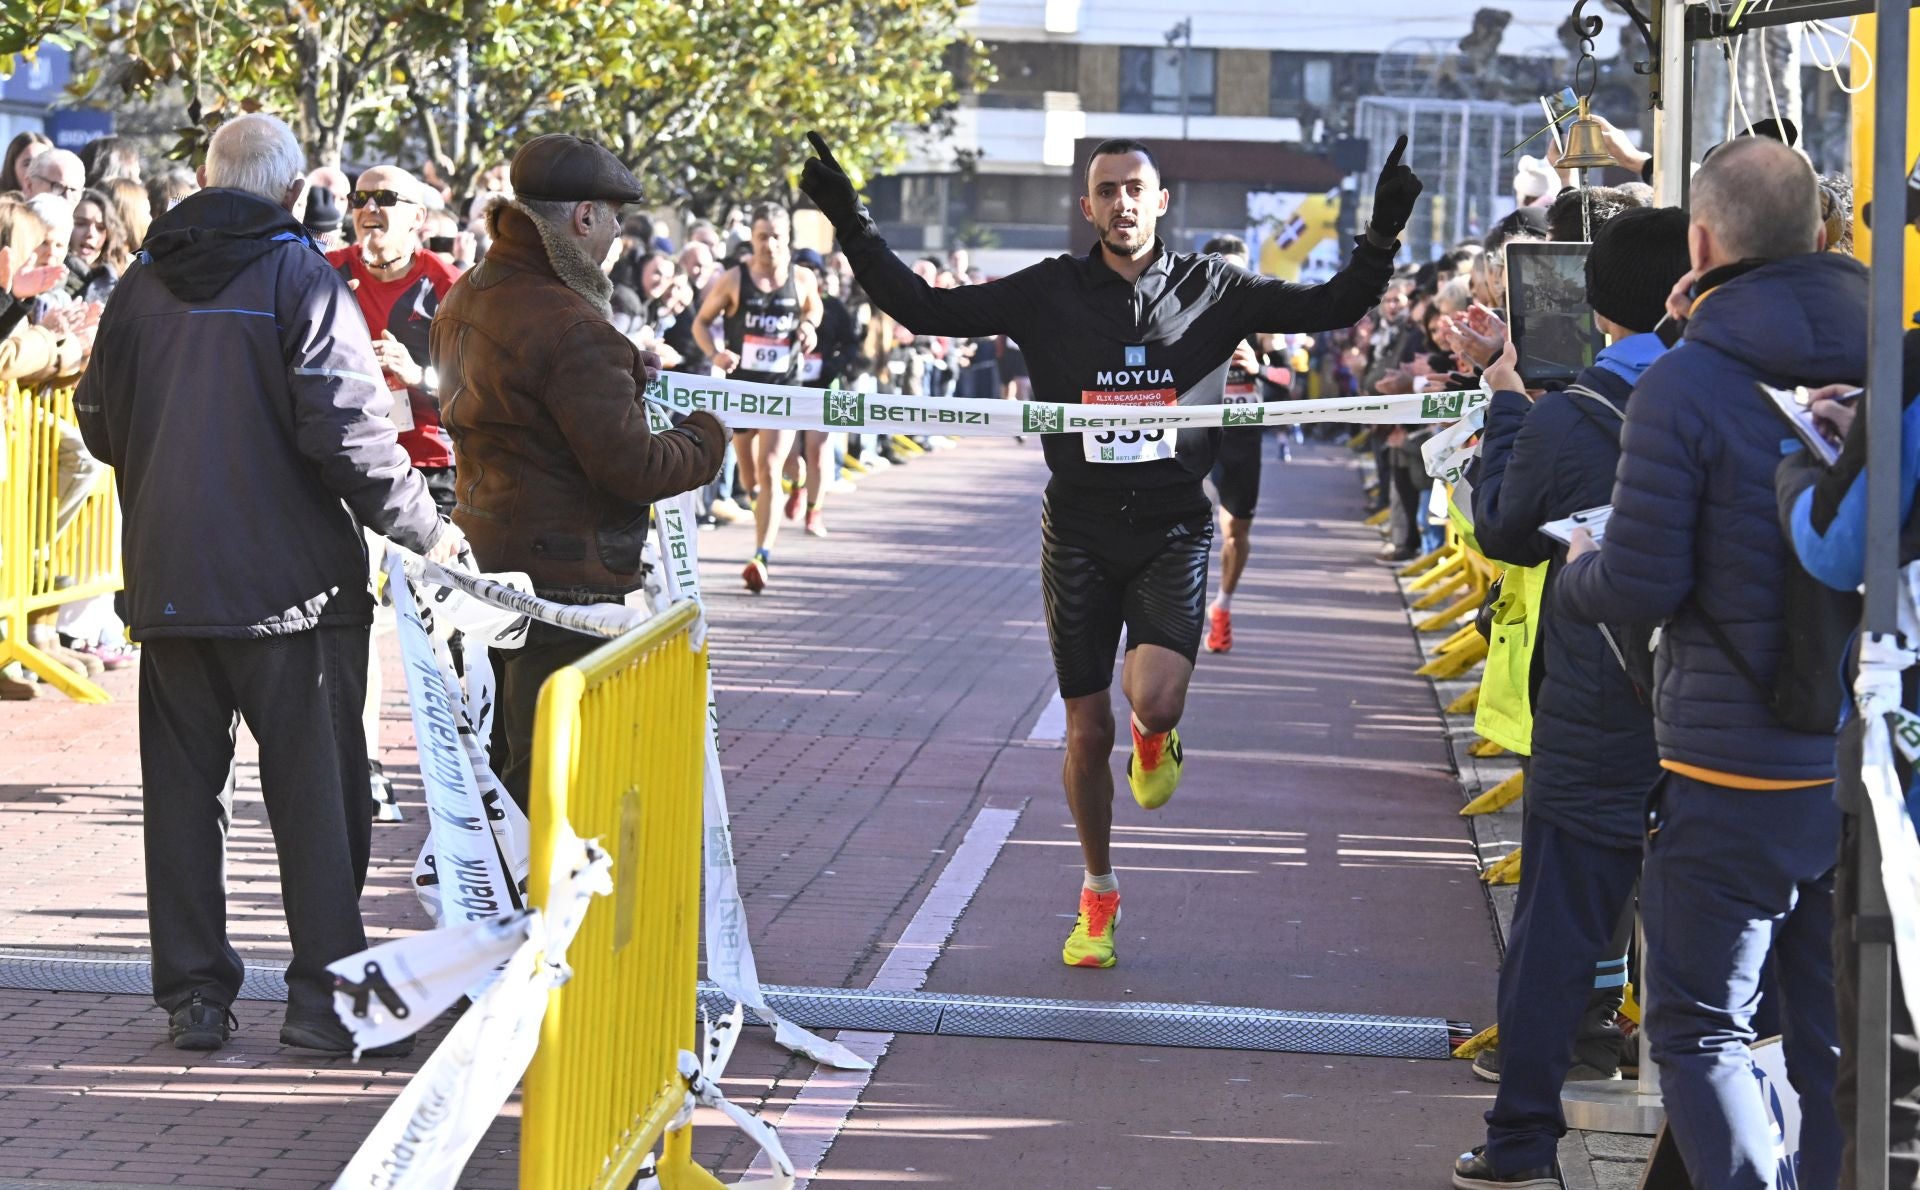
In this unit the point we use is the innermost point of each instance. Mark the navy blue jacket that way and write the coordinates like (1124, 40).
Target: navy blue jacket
(1695, 529)
(1593, 754)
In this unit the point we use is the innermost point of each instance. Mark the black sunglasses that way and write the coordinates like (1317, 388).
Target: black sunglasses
(379, 198)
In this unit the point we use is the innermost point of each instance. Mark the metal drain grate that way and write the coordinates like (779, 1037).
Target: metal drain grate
(1202, 1026)
(947, 1014)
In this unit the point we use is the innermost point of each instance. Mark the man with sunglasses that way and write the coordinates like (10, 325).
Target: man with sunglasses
(398, 286)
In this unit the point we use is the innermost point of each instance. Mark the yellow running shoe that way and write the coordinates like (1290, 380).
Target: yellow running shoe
(1091, 943)
(1153, 771)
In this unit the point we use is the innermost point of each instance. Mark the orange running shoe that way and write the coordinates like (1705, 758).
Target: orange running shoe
(756, 572)
(1219, 630)
(794, 497)
(1091, 943)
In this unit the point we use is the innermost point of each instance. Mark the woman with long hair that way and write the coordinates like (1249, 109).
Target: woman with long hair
(135, 208)
(22, 149)
(98, 252)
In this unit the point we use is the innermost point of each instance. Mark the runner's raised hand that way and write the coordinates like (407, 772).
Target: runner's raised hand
(1394, 195)
(827, 184)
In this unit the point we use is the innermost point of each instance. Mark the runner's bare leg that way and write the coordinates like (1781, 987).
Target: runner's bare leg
(1234, 532)
(819, 457)
(743, 457)
(1088, 776)
(1154, 679)
(770, 447)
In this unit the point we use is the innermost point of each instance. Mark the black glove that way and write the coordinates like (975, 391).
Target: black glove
(832, 191)
(1394, 195)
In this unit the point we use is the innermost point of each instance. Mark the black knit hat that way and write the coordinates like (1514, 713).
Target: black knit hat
(1633, 264)
(323, 211)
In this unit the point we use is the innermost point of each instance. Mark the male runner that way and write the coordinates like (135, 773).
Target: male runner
(1125, 524)
(772, 313)
(1236, 470)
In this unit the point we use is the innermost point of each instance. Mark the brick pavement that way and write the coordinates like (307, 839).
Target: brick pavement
(871, 702)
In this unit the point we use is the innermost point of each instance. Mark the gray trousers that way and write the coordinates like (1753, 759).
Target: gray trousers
(301, 696)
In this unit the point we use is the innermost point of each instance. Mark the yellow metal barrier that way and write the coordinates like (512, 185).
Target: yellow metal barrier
(44, 564)
(618, 755)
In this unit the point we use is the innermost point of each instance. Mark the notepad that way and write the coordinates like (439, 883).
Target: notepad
(1791, 403)
(1593, 520)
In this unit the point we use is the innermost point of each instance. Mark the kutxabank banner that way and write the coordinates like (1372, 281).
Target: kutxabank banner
(748, 406)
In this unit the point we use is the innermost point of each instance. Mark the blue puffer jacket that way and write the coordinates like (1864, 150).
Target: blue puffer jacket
(1695, 529)
(1593, 753)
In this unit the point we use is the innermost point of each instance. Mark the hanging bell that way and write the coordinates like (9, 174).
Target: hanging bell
(1586, 142)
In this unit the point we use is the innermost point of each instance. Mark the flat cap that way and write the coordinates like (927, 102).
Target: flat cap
(562, 168)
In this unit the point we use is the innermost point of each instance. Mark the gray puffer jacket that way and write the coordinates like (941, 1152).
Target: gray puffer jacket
(234, 390)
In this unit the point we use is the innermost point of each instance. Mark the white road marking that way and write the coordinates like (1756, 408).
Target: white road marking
(813, 1121)
(1051, 726)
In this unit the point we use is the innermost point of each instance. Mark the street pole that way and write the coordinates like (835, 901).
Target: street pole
(1182, 35)
(1872, 931)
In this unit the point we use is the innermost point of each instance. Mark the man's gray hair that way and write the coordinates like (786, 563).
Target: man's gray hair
(43, 165)
(558, 213)
(54, 211)
(1760, 200)
(256, 153)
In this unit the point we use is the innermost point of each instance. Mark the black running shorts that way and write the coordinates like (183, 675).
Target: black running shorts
(1140, 564)
(1236, 471)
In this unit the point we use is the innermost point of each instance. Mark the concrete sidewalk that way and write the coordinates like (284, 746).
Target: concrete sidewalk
(878, 697)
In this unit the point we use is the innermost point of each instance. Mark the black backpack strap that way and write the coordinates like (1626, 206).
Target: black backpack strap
(1720, 639)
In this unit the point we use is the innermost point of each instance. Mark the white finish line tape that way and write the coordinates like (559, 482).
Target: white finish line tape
(744, 405)
(813, 1121)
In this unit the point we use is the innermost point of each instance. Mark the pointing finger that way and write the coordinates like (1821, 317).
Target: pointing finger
(1399, 147)
(820, 149)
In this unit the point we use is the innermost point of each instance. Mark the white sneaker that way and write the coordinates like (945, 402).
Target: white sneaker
(842, 486)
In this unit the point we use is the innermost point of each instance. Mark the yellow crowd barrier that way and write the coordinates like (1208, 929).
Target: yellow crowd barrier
(619, 750)
(44, 563)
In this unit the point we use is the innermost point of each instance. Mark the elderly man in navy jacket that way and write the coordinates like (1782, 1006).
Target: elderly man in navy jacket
(1743, 827)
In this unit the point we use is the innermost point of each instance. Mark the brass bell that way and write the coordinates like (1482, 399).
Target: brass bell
(1586, 142)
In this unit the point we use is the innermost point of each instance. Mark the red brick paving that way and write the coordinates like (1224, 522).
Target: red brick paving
(871, 701)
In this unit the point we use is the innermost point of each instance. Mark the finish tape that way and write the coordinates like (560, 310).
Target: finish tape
(745, 405)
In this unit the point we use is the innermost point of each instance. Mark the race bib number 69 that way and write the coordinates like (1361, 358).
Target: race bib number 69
(761, 354)
(1133, 445)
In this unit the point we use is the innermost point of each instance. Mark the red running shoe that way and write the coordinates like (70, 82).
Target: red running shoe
(1219, 630)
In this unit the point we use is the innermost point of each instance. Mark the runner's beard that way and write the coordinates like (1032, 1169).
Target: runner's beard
(1127, 242)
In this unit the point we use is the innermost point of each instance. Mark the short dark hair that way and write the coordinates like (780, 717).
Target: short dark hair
(1566, 222)
(772, 212)
(1227, 246)
(1120, 146)
(1522, 221)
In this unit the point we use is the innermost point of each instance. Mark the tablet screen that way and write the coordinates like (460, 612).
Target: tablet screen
(1547, 313)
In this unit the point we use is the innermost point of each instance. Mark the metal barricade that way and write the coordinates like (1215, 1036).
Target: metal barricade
(56, 546)
(619, 754)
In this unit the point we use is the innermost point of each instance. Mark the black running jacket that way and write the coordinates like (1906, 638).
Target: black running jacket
(1091, 338)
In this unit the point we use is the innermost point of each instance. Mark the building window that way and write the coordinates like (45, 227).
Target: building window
(1150, 81)
(1299, 84)
(1022, 199)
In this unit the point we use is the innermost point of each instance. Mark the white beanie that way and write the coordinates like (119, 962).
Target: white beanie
(1534, 180)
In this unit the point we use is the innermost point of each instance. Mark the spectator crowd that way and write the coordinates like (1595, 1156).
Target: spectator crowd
(1678, 689)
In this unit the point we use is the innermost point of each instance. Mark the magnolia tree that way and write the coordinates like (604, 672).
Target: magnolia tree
(705, 99)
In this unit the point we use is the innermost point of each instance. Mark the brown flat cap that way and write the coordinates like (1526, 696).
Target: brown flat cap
(562, 168)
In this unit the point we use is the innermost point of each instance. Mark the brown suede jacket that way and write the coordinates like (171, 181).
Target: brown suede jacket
(542, 398)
